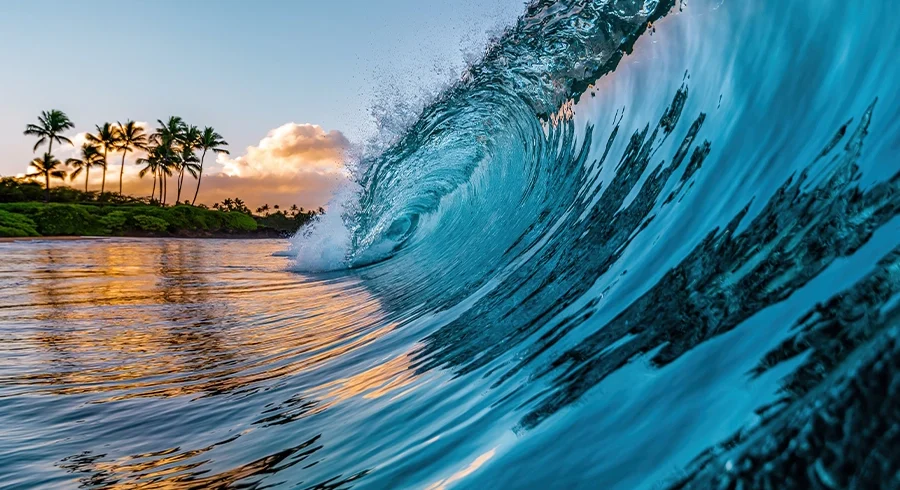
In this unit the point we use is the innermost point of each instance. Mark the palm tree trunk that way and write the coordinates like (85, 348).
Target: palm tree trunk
(122, 171)
(47, 175)
(103, 183)
(199, 178)
(87, 176)
(180, 183)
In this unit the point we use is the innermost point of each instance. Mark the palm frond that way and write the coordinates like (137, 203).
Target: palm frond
(32, 130)
(50, 127)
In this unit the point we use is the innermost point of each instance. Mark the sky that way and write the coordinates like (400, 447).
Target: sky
(289, 84)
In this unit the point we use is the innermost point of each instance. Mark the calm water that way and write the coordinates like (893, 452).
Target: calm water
(680, 269)
(141, 360)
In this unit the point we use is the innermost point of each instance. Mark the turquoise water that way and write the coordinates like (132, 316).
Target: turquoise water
(677, 269)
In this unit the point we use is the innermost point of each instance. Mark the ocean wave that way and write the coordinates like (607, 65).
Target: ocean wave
(622, 184)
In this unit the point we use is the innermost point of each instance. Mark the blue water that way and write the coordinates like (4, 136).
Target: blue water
(673, 268)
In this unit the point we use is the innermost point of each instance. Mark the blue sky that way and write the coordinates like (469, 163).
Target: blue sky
(243, 67)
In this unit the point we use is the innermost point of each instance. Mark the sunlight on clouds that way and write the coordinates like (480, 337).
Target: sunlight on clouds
(290, 150)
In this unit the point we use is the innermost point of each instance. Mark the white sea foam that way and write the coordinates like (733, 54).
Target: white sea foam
(323, 244)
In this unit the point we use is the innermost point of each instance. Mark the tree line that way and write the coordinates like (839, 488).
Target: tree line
(169, 151)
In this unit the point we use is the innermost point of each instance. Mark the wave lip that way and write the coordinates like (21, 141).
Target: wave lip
(553, 53)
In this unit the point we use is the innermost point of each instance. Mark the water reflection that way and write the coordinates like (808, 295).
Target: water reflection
(125, 324)
(168, 318)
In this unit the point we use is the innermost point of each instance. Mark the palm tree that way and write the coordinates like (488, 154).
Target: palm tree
(50, 124)
(131, 137)
(107, 138)
(167, 167)
(210, 140)
(47, 167)
(186, 161)
(172, 128)
(90, 157)
(152, 164)
(188, 141)
(167, 137)
(159, 162)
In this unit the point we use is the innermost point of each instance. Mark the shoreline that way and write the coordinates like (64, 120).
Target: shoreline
(150, 237)
(61, 221)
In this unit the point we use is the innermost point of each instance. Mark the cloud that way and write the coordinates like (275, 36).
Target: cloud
(290, 150)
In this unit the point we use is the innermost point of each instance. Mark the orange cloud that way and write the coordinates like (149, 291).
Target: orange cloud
(291, 150)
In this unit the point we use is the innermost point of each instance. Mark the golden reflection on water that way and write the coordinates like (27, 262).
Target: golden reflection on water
(380, 380)
(167, 318)
(101, 322)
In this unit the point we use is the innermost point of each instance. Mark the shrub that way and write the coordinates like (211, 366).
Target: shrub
(188, 217)
(150, 223)
(16, 225)
(114, 222)
(237, 221)
(26, 208)
(66, 219)
(15, 190)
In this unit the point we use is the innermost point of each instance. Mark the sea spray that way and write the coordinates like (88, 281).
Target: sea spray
(324, 243)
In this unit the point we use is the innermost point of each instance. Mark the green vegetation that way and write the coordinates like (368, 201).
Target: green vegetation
(34, 219)
(46, 168)
(16, 225)
(169, 152)
(77, 213)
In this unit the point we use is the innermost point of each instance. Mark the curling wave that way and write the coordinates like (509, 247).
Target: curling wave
(568, 223)
(640, 244)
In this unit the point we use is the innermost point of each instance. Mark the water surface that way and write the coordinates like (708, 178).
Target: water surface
(640, 244)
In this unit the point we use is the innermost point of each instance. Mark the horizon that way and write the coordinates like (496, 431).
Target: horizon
(288, 122)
